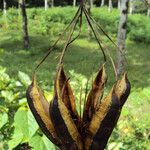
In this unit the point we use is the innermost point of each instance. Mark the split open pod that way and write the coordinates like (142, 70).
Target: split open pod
(60, 121)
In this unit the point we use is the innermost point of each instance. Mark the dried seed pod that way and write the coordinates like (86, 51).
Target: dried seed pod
(40, 109)
(122, 89)
(67, 95)
(62, 120)
(101, 124)
(96, 93)
(105, 119)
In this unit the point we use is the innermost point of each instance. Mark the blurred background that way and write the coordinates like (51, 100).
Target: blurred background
(28, 29)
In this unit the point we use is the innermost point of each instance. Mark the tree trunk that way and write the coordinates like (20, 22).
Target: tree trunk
(46, 4)
(121, 37)
(102, 2)
(119, 4)
(110, 6)
(148, 12)
(91, 3)
(147, 2)
(52, 3)
(74, 3)
(19, 8)
(25, 24)
(4, 7)
(131, 7)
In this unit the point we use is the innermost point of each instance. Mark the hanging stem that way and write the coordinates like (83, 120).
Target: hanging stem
(107, 50)
(71, 27)
(53, 46)
(80, 28)
(80, 101)
(94, 21)
(90, 24)
(101, 29)
(100, 41)
(68, 39)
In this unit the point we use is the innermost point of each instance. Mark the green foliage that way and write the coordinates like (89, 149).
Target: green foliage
(13, 19)
(41, 143)
(17, 124)
(139, 6)
(54, 20)
(139, 28)
(109, 21)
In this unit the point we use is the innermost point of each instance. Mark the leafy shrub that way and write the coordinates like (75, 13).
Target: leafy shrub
(18, 128)
(139, 26)
(109, 21)
(139, 7)
(54, 20)
(13, 19)
(130, 133)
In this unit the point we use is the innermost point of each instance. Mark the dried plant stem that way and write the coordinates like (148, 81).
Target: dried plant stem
(100, 42)
(53, 46)
(68, 39)
(93, 30)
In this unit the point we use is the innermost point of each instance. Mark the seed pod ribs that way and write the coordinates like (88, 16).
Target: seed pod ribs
(62, 119)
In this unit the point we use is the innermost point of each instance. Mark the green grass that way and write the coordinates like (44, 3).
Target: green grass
(83, 56)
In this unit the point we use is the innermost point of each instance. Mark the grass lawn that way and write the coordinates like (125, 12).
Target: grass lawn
(83, 56)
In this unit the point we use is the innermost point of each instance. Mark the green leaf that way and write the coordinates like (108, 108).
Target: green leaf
(41, 143)
(33, 126)
(24, 78)
(3, 119)
(114, 146)
(2, 70)
(4, 79)
(16, 138)
(22, 101)
(7, 95)
(25, 122)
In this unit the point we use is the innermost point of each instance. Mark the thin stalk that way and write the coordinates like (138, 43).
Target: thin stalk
(100, 41)
(90, 24)
(86, 91)
(101, 29)
(107, 50)
(80, 101)
(94, 21)
(68, 39)
(80, 28)
(53, 46)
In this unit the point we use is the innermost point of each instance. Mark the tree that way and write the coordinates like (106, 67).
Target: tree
(102, 2)
(74, 3)
(148, 7)
(24, 24)
(52, 3)
(4, 7)
(110, 6)
(46, 4)
(148, 11)
(131, 6)
(122, 36)
(119, 5)
(91, 3)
